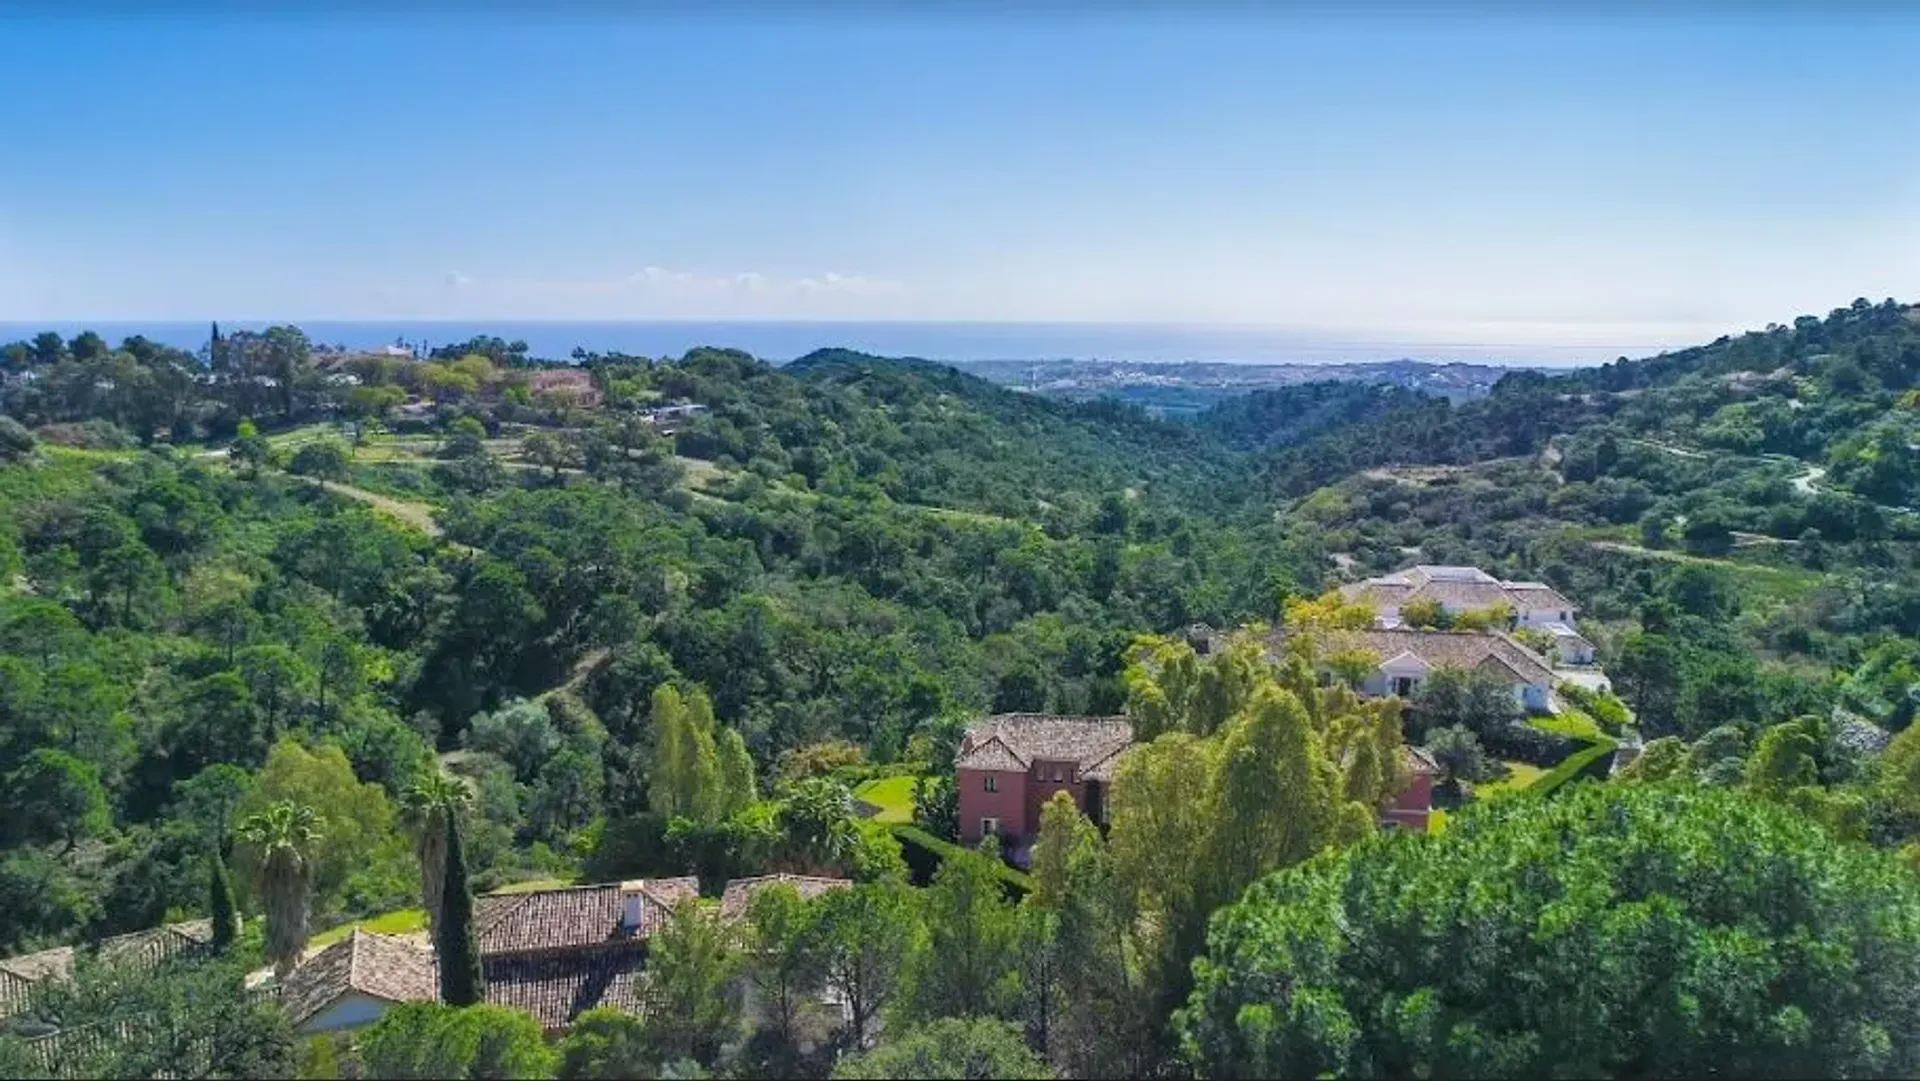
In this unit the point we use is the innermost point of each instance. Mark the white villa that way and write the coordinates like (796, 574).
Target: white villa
(1535, 605)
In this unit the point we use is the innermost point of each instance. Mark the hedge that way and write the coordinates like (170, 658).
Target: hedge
(1521, 741)
(853, 776)
(924, 853)
(1594, 761)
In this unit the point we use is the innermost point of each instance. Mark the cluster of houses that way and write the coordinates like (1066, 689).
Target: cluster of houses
(1011, 765)
(552, 953)
(556, 953)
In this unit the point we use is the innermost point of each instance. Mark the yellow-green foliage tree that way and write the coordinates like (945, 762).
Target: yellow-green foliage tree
(1491, 618)
(1215, 801)
(356, 823)
(1424, 612)
(1328, 612)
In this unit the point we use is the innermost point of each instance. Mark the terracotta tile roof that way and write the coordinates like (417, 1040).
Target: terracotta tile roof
(573, 917)
(1448, 649)
(1103, 769)
(19, 975)
(557, 987)
(1025, 737)
(740, 891)
(992, 755)
(379, 966)
(1454, 587)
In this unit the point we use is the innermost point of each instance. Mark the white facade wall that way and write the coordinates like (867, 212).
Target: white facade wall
(352, 1010)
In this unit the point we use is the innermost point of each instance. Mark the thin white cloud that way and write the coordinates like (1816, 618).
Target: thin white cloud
(456, 280)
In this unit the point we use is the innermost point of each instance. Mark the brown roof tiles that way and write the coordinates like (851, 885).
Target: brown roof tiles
(1449, 649)
(20, 975)
(558, 987)
(574, 917)
(739, 892)
(1454, 587)
(1014, 741)
(379, 966)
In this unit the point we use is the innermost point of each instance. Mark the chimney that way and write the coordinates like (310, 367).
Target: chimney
(633, 904)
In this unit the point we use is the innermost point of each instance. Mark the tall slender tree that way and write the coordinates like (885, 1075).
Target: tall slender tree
(220, 906)
(461, 981)
(284, 836)
(687, 779)
(428, 803)
(736, 772)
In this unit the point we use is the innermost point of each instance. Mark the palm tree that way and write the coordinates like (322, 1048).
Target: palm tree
(283, 837)
(428, 802)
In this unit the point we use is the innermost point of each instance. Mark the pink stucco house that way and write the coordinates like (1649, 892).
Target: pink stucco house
(1010, 765)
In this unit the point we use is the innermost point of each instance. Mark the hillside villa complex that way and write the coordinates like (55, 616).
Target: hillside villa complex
(1010, 765)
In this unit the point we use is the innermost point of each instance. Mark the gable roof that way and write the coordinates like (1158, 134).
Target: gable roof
(739, 892)
(558, 987)
(1494, 650)
(1417, 760)
(379, 966)
(1016, 740)
(20, 975)
(575, 916)
(1454, 587)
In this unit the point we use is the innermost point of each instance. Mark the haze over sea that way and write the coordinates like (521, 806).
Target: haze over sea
(778, 342)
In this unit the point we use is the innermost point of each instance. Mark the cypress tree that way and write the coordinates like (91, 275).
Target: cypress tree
(461, 981)
(226, 915)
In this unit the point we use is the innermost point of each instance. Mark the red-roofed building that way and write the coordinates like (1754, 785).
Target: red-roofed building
(1012, 764)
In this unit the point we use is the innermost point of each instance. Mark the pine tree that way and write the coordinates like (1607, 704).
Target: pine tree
(226, 915)
(461, 981)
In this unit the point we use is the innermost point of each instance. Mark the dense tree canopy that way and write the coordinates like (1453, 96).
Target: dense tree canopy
(1619, 931)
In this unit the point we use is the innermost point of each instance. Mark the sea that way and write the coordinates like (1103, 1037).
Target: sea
(779, 342)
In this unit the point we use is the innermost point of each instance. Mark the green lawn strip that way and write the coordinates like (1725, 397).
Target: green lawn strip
(402, 922)
(534, 885)
(893, 795)
(1570, 722)
(1580, 763)
(912, 837)
(1520, 776)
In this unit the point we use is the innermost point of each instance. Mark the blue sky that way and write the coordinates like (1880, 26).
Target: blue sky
(1480, 177)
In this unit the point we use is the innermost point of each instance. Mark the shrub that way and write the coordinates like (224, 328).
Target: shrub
(15, 440)
(326, 459)
(1595, 761)
(1525, 743)
(924, 853)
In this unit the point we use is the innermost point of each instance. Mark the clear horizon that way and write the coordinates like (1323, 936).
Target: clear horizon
(1522, 184)
(946, 340)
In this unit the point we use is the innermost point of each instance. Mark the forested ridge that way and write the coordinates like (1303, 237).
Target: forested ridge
(272, 575)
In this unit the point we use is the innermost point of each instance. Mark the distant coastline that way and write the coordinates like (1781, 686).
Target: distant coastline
(779, 342)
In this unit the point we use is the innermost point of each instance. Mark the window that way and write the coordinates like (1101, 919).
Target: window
(1057, 775)
(1403, 685)
(993, 783)
(989, 827)
(1563, 617)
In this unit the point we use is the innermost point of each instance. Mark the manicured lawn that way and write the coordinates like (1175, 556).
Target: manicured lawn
(1570, 722)
(391, 923)
(893, 795)
(1521, 776)
(533, 884)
